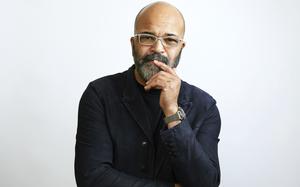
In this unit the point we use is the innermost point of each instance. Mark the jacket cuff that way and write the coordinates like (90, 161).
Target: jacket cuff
(169, 136)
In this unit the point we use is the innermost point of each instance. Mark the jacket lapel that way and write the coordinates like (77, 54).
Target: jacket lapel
(135, 104)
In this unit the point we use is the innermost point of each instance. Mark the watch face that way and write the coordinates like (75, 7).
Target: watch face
(181, 113)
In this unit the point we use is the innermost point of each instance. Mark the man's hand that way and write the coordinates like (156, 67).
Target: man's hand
(178, 185)
(169, 83)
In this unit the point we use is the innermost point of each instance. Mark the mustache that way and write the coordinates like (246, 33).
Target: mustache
(155, 56)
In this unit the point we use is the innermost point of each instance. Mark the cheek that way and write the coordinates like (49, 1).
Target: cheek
(140, 51)
(172, 55)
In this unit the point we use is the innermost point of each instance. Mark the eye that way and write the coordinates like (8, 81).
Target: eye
(147, 39)
(171, 41)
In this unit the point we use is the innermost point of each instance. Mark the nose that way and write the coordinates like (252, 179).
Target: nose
(158, 47)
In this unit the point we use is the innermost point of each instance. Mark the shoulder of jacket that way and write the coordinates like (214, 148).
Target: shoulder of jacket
(109, 84)
(197, 96)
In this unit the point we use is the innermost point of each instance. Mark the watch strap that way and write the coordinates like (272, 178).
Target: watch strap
(179, 115)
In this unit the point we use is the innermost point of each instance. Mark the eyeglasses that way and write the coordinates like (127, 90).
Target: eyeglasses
(150, 39)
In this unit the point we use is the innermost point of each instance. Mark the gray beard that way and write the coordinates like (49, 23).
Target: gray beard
(146, 70)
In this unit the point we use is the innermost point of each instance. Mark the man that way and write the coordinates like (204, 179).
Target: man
(145, 127)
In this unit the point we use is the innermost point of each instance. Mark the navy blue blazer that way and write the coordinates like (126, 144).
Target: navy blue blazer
(115, 146)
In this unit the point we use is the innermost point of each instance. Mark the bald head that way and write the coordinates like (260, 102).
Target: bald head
(160, 15)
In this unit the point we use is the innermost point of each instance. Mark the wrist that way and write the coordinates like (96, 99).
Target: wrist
(171, 110)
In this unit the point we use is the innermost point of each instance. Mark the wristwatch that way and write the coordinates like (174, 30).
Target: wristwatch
(179, 115)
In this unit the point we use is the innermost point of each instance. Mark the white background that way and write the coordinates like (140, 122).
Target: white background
(244, 53)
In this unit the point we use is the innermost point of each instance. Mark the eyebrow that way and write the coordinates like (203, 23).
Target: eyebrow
(168, 34)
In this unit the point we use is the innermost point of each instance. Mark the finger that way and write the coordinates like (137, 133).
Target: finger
(159, 82)
(164, 78)
(164, 67)
(161, 74)
(154, 86)
(156, 82)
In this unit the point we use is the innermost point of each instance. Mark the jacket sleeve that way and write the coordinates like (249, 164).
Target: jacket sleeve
(194, 152)
(94, 149)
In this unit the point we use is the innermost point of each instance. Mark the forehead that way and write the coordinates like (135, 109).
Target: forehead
(160, 22)
(159, 28)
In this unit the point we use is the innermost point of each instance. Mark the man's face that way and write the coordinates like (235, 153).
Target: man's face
(159, 23)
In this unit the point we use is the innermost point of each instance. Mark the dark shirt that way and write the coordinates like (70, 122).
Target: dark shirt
(154, 112)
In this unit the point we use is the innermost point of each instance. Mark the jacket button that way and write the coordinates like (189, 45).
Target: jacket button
(144, 143)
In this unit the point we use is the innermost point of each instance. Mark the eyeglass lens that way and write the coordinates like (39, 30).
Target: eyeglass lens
(169, 41)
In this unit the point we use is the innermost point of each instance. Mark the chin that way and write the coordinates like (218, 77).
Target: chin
(148, 70)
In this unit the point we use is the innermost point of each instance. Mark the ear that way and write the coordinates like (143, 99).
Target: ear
(183, 45)
(132, 45)
(132, 40)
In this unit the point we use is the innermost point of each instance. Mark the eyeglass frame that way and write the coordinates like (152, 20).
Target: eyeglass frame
(161, 38)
